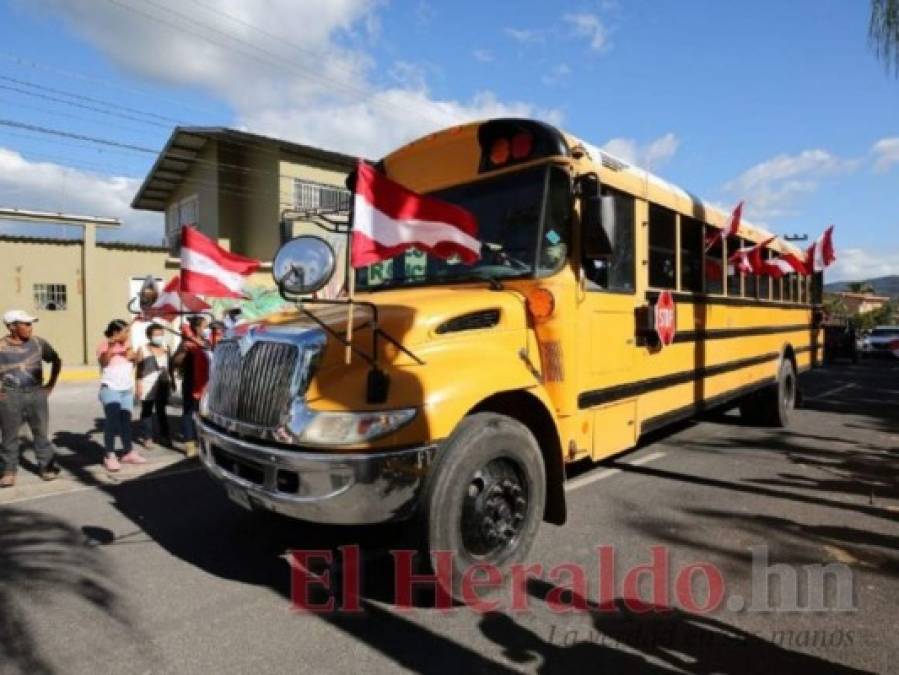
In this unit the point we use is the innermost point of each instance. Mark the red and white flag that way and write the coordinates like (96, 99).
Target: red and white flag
(208, 269)
(730, 229)
(388, 218)
(784, 264)
(748, 260)
(820, 254)
(172, 301)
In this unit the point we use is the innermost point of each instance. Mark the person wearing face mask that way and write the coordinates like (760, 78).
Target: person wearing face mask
(116, 358)
(154, 386)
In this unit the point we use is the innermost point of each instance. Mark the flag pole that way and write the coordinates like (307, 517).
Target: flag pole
(351, 288)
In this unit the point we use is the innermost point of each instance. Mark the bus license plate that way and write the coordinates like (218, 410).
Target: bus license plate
(239, 496)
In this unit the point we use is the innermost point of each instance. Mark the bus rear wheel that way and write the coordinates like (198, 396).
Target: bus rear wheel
(485, 496)
(774, 404)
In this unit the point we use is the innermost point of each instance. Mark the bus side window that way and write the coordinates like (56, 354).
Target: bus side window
(764, 283)
(691, 245)
(714, 267)
(750, 281)
(733, 276)
(662, 259)
(615, 272)
(788, 286)
(818, 288)
(777, 288)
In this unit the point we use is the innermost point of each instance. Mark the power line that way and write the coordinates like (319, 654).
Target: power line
(81, 137)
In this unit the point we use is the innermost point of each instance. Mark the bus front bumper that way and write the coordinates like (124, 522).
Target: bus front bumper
(337, 488)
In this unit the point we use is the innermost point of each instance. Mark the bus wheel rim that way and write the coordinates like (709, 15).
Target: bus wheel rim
(494, 509)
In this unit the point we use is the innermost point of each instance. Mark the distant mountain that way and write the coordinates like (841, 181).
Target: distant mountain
(882, 285)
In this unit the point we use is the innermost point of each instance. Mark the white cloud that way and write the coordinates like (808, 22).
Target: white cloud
(886, 154)
(772, 187)
(525, 35)
(856, 264)
(589, 26)
(482, 55)
(284, 67)
(556, 75)
(45, 186)
(649, 156)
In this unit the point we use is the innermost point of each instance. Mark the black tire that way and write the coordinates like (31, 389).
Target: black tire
(473, 497)
(773, 405)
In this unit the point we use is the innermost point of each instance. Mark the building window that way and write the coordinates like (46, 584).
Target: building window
(51, 297)
(179, 214)
(662, 259)
(309, 196)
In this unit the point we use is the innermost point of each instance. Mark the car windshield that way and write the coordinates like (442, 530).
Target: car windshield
(885, 332)
(511, 218)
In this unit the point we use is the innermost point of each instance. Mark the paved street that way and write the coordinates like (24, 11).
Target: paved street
(162, 573)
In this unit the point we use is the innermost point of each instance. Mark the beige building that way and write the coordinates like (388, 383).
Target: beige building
(862, 303)
(238, 187)
(235, 186)
(46, 276)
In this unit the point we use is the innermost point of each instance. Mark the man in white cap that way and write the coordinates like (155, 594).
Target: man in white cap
(23, 396)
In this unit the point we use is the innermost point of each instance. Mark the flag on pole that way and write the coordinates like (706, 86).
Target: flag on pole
(172, 301)
(208, 269)
(820, 254)
(786, 263)
(730, 229)
(748, 260)
(388, 218)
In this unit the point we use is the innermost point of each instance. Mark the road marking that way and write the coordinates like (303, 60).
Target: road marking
(594, 476)
(831, 392)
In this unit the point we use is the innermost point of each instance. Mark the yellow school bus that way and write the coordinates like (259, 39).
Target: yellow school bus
(470, 387)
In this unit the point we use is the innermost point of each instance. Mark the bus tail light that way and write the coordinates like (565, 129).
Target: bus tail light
(499, 151)
(522, 144)
(541, 303)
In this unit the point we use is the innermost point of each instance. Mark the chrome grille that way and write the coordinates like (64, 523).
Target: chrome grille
(253, 388)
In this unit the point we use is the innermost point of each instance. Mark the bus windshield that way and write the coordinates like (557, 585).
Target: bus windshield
(511, 217)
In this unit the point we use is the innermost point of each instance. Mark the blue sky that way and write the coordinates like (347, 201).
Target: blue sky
(781, 104)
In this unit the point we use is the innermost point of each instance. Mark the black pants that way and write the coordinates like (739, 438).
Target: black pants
(24, 405)
(158, 403)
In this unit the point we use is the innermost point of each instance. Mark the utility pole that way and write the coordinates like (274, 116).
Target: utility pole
(88, 225)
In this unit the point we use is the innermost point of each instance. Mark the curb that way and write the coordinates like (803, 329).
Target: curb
(79, 375)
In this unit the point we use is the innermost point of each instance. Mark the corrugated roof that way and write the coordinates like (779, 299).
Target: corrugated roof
(184, 146)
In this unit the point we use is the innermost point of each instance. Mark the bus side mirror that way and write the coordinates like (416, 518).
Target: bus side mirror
(597, 218)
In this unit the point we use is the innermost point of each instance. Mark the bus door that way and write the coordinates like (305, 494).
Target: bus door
(607, 349)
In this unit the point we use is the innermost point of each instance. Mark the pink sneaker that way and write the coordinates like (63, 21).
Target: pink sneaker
(134, 457)
(111, 462)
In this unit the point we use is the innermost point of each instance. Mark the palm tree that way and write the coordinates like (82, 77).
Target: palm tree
(883, 32)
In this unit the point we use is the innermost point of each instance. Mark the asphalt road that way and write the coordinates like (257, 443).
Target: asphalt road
(163, 574)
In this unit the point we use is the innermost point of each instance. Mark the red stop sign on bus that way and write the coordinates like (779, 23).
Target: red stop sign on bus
(665, 318)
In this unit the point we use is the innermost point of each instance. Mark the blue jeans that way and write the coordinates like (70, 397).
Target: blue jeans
(188, 429)
(117, 406)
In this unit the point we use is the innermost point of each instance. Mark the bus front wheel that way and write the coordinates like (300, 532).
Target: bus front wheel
(774, 404)
(485, 496)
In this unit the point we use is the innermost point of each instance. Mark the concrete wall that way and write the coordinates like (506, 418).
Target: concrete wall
(202, 180)
(111, 269)
(26, 264)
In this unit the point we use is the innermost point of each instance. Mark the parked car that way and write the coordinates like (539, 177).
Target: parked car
(881, 341)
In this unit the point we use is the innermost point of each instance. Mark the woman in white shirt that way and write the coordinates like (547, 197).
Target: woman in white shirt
(117, 393)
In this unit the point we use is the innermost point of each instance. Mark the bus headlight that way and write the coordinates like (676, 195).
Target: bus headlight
(348, 428)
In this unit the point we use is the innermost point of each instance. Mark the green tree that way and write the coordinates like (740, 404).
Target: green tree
(859, 287)
(883, 32)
